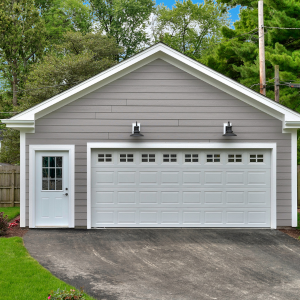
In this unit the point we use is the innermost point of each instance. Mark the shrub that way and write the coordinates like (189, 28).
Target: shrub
(3, 223)
(66, 295)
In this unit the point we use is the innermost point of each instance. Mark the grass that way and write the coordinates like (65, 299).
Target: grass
(12, 212)
(22, 277)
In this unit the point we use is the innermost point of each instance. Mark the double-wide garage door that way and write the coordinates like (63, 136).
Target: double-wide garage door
(183, 188)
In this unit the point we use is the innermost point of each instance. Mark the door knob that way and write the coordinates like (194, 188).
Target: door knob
(66, 194)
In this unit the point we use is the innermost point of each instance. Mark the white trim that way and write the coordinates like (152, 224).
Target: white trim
(294, 178)
(179, 60)
(20, 124)
(22, 179)
(32, 151)
(147, 145)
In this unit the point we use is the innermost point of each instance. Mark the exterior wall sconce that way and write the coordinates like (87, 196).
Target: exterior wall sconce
(136, 129)
(227, 130)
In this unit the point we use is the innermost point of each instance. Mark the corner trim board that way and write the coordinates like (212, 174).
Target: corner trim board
(294, 178)
(32, 151)
(22, 179)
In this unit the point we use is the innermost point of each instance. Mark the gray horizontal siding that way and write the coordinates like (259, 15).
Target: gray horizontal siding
(171, 105)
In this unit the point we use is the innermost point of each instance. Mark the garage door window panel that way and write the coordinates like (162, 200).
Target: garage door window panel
(169, 158)
(148, 158)
(213, 158)
(124, 158)
(105, 157)
(235, 158)
(191, 158)
(256, 158)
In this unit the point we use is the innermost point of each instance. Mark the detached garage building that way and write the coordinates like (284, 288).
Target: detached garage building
(80, 166)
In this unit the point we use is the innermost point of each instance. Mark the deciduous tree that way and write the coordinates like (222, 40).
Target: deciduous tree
(78, 58)
(22, 41)
(125, 20)
(190, 28)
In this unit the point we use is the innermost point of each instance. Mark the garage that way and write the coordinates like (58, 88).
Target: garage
(180, 187)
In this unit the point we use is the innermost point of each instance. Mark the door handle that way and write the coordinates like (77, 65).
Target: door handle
(66, 194)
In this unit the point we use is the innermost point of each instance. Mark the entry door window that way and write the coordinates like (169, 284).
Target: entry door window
(52, 173)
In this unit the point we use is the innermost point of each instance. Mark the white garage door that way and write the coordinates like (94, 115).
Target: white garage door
(184, 188)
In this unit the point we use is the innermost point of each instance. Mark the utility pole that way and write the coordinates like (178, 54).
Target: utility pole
(277, 82)
(261, 40)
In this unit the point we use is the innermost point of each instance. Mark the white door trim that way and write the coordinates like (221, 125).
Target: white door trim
(22, 179)
(149, 145)
(32, 151)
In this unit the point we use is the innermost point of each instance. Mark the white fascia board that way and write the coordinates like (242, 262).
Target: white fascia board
(22, 125)
(177, 59)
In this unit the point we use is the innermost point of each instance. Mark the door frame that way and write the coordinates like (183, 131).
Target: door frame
(32, 177)
(172, 145)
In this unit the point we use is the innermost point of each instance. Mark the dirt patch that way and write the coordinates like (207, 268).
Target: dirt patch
(15, 231)
(293, 232)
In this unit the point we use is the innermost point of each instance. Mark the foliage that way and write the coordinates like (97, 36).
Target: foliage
(66, 294)
(22, 277)
(11, 212)
(125, 20)
(77, 59)
(3, 223)
(239, 57)
(22, 41)
(190, 28)
(61, 16)
(10, 146)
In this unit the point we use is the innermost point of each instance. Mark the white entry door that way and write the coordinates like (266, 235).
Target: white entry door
(52, 188)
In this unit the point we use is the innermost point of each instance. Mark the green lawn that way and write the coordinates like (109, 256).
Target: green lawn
(22, 277)
(12, 212)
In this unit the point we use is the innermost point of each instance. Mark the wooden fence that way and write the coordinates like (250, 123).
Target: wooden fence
(9, 186)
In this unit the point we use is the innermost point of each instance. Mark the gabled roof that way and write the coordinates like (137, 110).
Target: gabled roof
(26, 119)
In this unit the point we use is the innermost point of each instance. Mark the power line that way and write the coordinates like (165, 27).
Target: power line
(44, 87)
(285, 28)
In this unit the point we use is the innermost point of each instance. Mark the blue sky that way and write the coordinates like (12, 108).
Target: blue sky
(234, 12)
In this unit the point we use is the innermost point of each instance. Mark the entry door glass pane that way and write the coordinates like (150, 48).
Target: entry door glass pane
(52, 173)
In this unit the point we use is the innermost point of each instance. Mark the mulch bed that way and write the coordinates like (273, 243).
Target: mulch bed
(15, 231)
(293, 232)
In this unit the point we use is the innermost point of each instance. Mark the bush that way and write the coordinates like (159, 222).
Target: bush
(3, 223)
(64, 295)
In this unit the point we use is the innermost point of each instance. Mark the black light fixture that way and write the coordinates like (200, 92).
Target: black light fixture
(136, 130)
(228, 130)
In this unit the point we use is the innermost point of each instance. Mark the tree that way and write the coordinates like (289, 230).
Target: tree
(10, 146)
(190, 28)
(22, 41)
(77, 59)
(238, 58)
(125, 20)
(61, 16)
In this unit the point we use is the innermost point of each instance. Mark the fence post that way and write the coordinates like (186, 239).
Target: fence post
(12, 192)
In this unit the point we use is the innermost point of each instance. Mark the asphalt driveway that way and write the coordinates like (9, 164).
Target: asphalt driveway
(172, 264)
